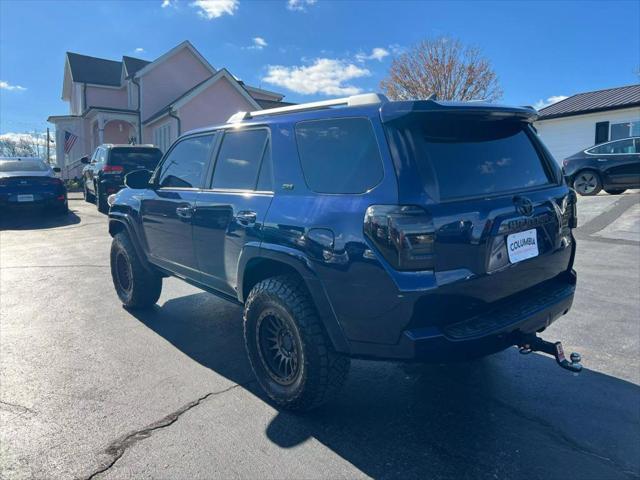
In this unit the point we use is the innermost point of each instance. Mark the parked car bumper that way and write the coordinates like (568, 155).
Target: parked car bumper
(482, 334)
(33, 199)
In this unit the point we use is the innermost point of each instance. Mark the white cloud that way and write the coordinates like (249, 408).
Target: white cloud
(139, 50)
(549, 101)
(325, 75)
(299, 5)
(7, 86)
(397, 49)
(166, 3)
(259, 43)
(211, 9)
(376, 54)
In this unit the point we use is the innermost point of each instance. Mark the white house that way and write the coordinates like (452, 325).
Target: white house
(585, 119)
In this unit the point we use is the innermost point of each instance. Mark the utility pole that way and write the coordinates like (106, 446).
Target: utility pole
(48, 140)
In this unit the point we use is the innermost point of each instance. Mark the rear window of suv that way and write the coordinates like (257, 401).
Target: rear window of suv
(135, 158)
(339, 155)
(465, 157)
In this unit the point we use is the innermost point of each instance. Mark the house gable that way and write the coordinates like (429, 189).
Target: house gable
(169, 77)
(213, 104)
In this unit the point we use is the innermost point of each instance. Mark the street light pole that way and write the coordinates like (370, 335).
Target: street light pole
(48, 140)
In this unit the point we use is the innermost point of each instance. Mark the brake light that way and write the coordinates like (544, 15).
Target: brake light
(568, 214)
(113, 169)
(403, 234)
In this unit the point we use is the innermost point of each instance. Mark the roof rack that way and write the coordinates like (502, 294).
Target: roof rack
(352, 101)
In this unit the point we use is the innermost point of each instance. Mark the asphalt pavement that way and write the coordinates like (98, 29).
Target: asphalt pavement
(90, 390)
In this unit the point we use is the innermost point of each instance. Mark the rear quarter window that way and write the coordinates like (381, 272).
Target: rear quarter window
(466, 157)
(339, 155)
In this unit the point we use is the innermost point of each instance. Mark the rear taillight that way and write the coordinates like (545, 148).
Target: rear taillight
(568, 214)
(113, 169)
(565, 162)
(403, 234)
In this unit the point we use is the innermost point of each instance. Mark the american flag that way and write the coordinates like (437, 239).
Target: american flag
(69, 141)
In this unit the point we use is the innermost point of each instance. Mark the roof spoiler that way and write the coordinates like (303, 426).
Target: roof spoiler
(393, 111)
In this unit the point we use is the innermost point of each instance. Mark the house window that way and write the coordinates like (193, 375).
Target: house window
(162, 137)
(625, 130)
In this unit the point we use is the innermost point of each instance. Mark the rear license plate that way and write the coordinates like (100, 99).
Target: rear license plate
(522, 245)
(25, 198)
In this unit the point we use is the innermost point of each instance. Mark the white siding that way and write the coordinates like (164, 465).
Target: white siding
(568, 135)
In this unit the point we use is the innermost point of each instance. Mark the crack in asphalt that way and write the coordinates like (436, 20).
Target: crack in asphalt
(118, 447)
(21, 408)
(563, 437)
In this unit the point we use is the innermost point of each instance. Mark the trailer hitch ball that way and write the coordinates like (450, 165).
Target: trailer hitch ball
(533, 343)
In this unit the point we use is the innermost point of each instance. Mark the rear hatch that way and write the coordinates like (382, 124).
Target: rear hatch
(123, 160)
(494, 203)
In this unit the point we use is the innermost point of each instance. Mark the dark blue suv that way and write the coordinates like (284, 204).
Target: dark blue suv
(358, 227)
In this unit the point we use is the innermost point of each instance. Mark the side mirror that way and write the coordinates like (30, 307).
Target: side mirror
(84, 160)
(57, 169)
(138, 179)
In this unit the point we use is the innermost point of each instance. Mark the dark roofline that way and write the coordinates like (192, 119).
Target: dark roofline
(604, 99)
(586, 112)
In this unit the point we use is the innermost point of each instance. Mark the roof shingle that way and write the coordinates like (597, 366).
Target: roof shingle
(132, 65)
(85, 69)
(598, 101)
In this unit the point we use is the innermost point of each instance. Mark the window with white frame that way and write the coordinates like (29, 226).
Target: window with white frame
(162, 137)
(625, 130)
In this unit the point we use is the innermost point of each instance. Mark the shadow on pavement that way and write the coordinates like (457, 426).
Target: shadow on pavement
(36, 219)
(506, 416)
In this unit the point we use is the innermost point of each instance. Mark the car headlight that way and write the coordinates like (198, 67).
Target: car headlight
(111, 199)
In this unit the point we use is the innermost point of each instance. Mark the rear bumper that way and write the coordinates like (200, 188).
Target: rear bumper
(481, 335)
(40, 200)
(111, 185)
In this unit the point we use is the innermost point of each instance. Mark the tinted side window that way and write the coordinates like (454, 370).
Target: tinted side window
(339, 155)
(239, 159)
(620, 147)
(186, 165)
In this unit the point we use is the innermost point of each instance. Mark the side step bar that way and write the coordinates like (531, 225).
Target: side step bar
(532, 343)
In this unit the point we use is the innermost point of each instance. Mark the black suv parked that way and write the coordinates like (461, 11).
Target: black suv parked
(612, 166)
(428, 231)
(105, 171)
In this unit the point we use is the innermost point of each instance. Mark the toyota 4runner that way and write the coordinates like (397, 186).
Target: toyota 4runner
(358, 227)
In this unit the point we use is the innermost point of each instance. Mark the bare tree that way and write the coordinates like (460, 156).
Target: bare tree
(444, 67)
(17, 148)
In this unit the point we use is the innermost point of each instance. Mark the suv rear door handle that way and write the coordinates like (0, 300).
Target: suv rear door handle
(246, 217)
(184, 212)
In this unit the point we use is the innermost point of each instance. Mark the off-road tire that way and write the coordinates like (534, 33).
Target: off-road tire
(615, 191)
(144, 285)
(321, 372)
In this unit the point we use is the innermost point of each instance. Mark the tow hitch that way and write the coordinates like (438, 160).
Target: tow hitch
(532, 343)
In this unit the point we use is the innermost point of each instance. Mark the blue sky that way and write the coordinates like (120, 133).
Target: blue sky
(310, 49)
